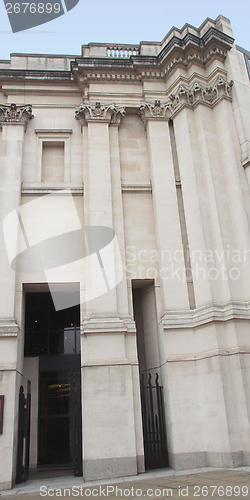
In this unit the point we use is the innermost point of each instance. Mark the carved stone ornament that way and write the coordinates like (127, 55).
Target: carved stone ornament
(156, 110)
(184, 97)
(108, 113)
(13, 114)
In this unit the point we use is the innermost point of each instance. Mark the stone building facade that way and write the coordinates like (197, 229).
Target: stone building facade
(125, 177)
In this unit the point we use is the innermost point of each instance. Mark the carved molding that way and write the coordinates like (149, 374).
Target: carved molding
(105, 113)
(15, 115)
(8, 327)
(201, 355)
(185, 97)
(206, 314)
(153, 61)
(136, 75)
(137, 187)
(156, 110)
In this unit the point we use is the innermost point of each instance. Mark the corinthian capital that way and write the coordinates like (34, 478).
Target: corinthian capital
(187, 97)
(156, 110)
(13, 114)
(106, 113)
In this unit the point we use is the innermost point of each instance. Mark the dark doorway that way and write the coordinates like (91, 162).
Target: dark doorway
(53, 337)
(152, 403)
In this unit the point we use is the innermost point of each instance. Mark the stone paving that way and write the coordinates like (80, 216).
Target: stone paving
(166, 483)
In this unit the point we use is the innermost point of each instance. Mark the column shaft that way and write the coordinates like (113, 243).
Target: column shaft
(14, 120)
(168, 231)
(193, 192)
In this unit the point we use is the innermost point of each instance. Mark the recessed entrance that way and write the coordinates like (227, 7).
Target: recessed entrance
(152, 404)
(52, 355)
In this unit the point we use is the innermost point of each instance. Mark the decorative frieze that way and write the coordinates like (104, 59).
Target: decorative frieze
(197, 94)
(105, 113)
(15, 115)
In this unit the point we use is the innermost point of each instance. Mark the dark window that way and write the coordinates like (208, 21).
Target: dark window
(48, 331)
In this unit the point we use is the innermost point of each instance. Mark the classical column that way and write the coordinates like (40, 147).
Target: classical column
(212, 180)
(98, 206)
(14, 120)
(192, 189)
(167, 221)
(110, 389)
(237, 202)
(236, 65)
(118, 220)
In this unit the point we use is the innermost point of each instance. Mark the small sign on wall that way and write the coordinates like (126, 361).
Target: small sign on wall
(1, 413)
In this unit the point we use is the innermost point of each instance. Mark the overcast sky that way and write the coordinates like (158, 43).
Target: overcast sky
(126, 21)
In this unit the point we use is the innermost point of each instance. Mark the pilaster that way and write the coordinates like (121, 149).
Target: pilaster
(98, 201)
(168, 232)
(191, 181)
(233, 179)
(14, 120)
(236, 66)
(109, 357)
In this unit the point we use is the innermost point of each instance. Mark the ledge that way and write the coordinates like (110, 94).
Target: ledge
(109, 362)
(53, 131)
(206, 314)
(199, 356)
(8, 327)
(136, 187)
(38, 189)
(107, 326)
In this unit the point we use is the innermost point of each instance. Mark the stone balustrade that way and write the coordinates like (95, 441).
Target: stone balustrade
(122, 51)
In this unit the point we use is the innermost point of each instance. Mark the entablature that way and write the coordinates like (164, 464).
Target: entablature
(105, 62)
(122, 63)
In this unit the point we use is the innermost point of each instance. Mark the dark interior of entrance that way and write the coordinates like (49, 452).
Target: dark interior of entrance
(52, 338)
(152, 400)
(145, 317)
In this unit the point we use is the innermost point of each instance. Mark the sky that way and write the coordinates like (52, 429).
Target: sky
(126, 21)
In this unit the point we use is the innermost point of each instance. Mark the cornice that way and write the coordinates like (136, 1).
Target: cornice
(104, 113)
(206, 314)
(186, 97)
(38, 190)
(138, 187)
(148, 70)
(110, 362)
(32, 74)
(178, 51)
(8, 327)
(201, 355)
(108, 326)
(133, 63)
(15, 115)
(145, 69)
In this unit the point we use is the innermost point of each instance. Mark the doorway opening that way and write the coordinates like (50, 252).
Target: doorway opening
(52, 361)
(152, 401)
